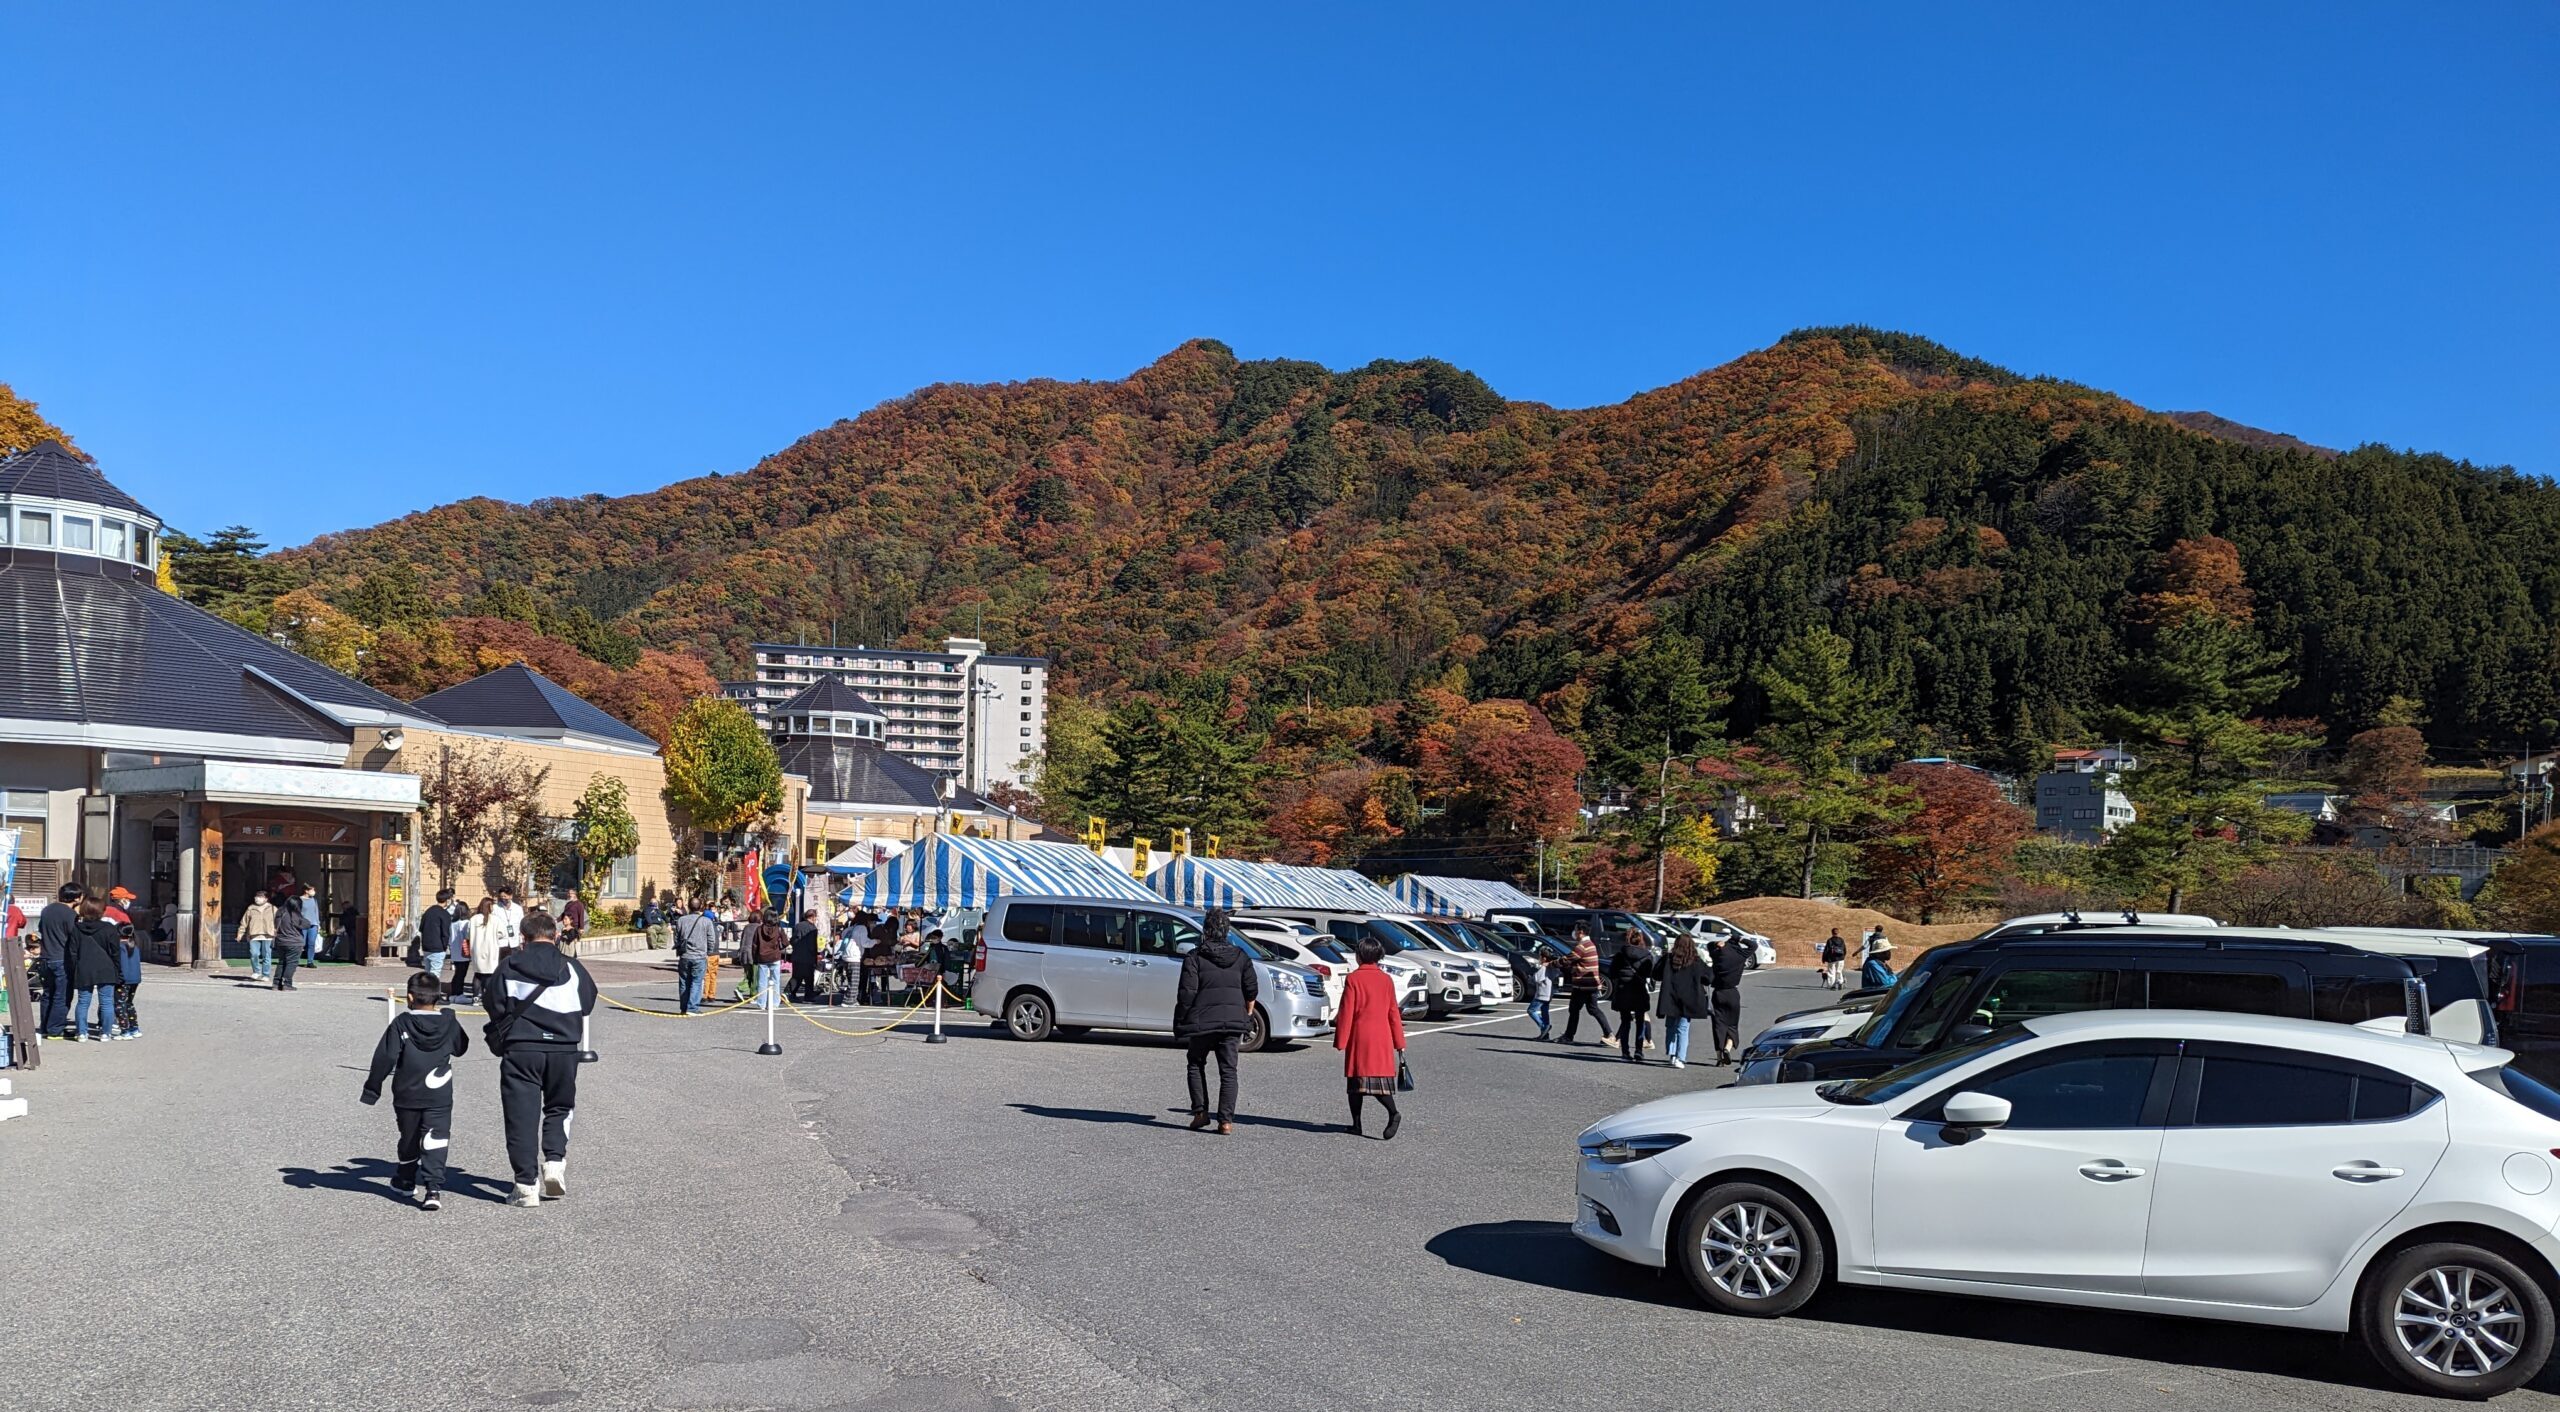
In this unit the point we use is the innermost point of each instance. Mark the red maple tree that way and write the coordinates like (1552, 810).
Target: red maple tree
(1965, 830)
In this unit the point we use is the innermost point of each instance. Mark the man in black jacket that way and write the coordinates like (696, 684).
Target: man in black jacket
(57, 929)
(435, 935)
(1211, 1012)
(538, 1001)
(1730, 961)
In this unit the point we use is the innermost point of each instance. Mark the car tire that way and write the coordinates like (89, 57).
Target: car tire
(1771, 1257)
(1029, 1016)
(1257, 1032)
(2473, 1289)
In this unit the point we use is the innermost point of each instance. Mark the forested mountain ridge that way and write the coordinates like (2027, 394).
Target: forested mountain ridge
(1354, 536)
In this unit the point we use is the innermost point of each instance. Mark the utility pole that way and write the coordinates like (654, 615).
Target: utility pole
(1662, 821)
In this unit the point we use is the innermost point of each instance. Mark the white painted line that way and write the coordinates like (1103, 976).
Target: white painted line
(1469, 1025)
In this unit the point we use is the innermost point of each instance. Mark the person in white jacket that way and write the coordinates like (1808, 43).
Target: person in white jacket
(484, 931)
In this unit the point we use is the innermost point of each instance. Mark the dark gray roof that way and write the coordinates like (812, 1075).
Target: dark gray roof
(995, 659)
(515, 697)
(50, 468)
(842, 770)
(828, 694)
(96, 642)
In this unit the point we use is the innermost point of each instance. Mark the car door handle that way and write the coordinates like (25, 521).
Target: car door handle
(1116, 961)
(2109, 1170)
(2364, 1172)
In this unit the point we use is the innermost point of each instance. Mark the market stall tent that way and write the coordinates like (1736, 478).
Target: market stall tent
(1457, 897)
(947, 871)
(1337, 888)
(1236, 882)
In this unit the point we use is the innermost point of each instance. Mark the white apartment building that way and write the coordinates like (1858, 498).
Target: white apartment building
(961, 711)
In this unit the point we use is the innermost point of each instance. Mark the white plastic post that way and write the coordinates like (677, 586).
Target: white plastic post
(390, 1005)
(937, 1036)
(586, 1039)
(769, 994)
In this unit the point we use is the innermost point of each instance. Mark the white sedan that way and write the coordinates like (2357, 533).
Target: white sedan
(2265, 1171)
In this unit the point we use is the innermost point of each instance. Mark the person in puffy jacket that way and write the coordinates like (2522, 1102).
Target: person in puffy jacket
(1687, 987)
(415, 1056)
(96, 971)
(128, 981)
(538, 1001)
(258, 928)
(1582, 986)
(1211, 1012)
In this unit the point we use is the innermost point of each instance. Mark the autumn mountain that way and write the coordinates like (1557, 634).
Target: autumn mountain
(1350, 535)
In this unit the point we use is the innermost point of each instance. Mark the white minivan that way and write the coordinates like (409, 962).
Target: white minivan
(1057, 965)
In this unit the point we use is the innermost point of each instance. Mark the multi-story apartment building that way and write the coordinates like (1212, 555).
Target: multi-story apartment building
(961, 711)
(2079, 798)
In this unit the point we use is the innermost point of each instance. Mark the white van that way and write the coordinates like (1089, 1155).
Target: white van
(1057, 965)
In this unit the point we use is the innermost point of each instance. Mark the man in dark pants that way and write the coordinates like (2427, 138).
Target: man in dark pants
(538, 1001)
(435, 935)
(1212, 1010)
(55, 926)
(697, 934)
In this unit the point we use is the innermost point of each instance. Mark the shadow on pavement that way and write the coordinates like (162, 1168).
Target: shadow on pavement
(1086, 1115)
(1249, 1120)
(1548, 1254)
(372, 1176)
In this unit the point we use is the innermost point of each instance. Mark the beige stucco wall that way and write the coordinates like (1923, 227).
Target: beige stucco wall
(572, 767)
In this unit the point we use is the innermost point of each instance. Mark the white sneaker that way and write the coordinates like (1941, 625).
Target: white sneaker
(1678, 1065)
(525, 1196)
(555, 1179)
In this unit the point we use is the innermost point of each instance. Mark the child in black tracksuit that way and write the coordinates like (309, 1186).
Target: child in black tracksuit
(416, 1054)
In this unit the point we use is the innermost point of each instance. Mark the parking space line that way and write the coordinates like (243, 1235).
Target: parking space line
(1469, 1025)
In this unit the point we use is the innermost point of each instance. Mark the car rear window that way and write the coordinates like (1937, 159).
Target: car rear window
(1027, 922)
(2245, 992)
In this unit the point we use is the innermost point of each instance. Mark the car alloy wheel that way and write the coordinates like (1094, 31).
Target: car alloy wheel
(2459, 1321)
(1751, 1250)
(2455, 1319)
(1028, 1017)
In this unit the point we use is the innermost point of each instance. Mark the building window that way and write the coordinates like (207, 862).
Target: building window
(111, 538)
(622, 880)
(24, 810)
(141, 545)
(35, 529)
(1026, 715)
(1026, 730)
(79, 533)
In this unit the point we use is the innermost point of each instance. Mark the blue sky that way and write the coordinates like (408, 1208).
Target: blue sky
(310, 267)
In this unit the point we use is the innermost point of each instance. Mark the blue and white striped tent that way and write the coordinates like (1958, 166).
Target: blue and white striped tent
(947, 871)
(1337, 887)
(1457, 897)
(1233, 882)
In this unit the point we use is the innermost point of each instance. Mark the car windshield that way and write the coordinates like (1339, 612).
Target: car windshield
(2533, 1093)
(1893, 1083)
(1255, 949)
(1450, 936)
(1396, 936)
(1898, 998)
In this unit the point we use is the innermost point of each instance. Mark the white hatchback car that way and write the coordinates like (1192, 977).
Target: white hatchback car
(2266, 1171)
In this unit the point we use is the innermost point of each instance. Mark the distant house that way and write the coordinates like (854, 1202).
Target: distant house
(2078, 798)
(2318, 807)
(1735, 814)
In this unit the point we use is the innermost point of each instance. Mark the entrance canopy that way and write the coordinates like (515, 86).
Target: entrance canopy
(235, 782)
(1234, 882)
(947, 871)
(1457, 897)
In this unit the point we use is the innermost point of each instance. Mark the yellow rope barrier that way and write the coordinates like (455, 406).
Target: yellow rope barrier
(669, 1014)
(865, 1034)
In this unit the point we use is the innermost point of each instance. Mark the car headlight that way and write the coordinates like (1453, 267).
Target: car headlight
(1288, 983)
(1618, 1151)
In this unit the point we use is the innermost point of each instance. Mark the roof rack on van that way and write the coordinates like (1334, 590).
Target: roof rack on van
(2063, 934)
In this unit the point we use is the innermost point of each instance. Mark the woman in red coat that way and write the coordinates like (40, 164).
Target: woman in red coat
(1370, 1033)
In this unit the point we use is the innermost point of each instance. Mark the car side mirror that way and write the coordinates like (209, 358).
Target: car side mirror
(1969, 1115)
(1185, 948)
(1967, 1034)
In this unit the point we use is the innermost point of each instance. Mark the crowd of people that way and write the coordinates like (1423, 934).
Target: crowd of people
(1642, 984)
(854, 960)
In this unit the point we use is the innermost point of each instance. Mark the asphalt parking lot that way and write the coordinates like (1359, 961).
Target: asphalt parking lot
(878, 1223)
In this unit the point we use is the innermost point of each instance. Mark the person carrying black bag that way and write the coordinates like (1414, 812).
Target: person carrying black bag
(538, 1001)
(1211, 1013)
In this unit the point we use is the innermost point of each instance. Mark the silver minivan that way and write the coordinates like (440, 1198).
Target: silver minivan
(1057, 965)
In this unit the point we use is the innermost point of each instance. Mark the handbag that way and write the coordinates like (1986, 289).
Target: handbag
(1404, 1075)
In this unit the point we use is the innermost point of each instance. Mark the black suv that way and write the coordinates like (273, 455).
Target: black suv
(1964, 991)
